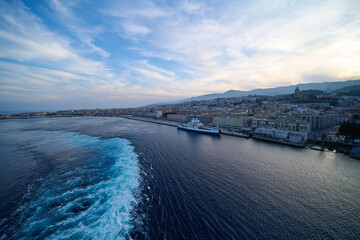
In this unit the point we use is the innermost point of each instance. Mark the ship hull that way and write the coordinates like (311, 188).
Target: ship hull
(205, 131)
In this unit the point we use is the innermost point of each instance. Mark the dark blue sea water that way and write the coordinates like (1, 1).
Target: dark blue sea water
(111, 178)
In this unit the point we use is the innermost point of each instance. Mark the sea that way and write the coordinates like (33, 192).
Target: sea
(114, 178)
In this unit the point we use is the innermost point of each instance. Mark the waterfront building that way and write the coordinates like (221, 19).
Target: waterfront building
(320, 120)
(298, 137)
(63, 113)
(231, 122)
(280, 134)
(287, 130)
(266, 132)
(177, 117)
(282, 124)
(285, 136)
(155, 114)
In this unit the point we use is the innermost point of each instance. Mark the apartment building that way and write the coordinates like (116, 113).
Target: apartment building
(320, 120)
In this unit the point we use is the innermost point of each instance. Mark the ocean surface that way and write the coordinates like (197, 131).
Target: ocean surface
(112, 178)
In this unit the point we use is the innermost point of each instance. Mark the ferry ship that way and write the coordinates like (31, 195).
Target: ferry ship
(196, 126)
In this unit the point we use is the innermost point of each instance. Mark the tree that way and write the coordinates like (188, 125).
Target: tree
(350, 129)
(323, 138)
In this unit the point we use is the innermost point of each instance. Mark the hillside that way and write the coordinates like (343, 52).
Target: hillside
(325, 86)
(349, 91)
(346, 87)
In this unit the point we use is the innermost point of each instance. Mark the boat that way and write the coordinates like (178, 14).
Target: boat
(196, 126)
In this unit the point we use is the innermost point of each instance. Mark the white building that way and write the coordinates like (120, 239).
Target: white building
(282, 129)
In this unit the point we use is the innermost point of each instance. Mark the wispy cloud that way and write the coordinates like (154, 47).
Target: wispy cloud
(135, 29)
(24, 38)
(37, 62)
(190, 7)
(263, 46)
(143, 9)
(84, 32)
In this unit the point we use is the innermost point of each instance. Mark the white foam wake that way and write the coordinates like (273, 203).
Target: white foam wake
(89, 194)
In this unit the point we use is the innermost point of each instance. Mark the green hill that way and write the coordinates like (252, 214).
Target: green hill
(349, 91)
(311, 92)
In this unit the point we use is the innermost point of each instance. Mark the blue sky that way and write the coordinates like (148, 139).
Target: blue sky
(58, 54)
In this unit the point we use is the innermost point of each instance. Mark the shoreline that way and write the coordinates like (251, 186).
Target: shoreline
(299, 145)
(223, 132)
(234, 134)
(173, 124)
(161, 122)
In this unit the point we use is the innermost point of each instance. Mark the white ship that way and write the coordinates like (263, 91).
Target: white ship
(196, 126)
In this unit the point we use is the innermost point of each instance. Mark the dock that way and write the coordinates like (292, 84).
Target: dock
(162, 122)
(223, 132)
(235, 134)
(300, 145)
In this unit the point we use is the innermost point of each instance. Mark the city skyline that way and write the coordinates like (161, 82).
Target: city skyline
(61, 55)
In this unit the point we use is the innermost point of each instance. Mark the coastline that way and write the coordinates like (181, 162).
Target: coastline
(162, 122)
(223, 132)
(234, 134)
(278, 141)
(173, 124)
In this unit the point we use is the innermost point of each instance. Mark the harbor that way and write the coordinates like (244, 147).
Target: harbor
(241, 135)
(174, 124)
(223, 132)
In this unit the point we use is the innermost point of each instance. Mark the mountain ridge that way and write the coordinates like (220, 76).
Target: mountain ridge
(323, 86)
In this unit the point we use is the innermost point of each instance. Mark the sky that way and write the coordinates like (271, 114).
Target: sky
(57, 54)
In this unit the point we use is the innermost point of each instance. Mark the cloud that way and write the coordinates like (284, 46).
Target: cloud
(167, 50)
(135, 29)
(39, 45)
(84, 32)
(144, 9)
(40, 64)
(261, 46)
(12, 94)
(22, 48)
(152, 75)
(146, 64)
(190, 7)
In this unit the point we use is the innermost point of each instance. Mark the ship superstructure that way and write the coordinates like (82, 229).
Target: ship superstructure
(196, 126)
